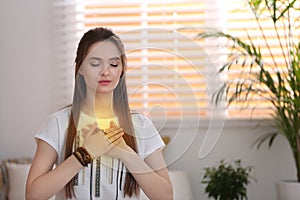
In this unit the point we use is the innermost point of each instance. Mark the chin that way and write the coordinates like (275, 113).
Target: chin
(103, 91)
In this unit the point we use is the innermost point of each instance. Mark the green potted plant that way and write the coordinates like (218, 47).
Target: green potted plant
(276, 82)
(227, 181)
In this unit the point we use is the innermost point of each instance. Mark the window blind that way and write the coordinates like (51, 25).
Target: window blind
(241, 22)
(169, 73)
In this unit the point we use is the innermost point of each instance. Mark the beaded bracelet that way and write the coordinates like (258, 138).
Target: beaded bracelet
(82, 156)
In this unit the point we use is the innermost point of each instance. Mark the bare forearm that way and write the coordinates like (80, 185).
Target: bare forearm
(153, 184)
(52, 182)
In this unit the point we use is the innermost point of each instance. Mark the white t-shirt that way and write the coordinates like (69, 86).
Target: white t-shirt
(102, 178)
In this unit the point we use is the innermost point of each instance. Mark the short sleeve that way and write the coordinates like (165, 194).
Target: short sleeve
(49, 132)
(147, 137)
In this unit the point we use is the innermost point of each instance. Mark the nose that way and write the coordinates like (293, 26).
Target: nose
(105, 71)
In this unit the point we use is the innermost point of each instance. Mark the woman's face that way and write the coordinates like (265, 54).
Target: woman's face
(102, 68)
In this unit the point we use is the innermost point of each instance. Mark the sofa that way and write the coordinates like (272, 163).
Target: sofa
(13, 175)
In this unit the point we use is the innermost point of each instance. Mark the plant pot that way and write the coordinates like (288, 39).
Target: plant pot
(288, 190)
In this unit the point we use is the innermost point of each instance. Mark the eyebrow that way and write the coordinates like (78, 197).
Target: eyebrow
(97, 58)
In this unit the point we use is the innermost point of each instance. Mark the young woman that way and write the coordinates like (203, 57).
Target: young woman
(97, 148)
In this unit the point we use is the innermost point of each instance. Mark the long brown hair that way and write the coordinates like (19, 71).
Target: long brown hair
(120, 102)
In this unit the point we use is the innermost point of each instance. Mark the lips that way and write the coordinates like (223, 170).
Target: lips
(104, 82)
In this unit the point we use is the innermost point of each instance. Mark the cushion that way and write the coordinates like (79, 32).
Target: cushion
(14, 176)
(17, 176)
(181, 185)
(3, 182)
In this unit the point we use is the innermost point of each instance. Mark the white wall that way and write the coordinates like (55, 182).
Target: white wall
(26, 71)
(235, 142)
(25, 66)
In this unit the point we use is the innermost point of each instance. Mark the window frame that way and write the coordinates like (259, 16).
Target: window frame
(73, 16)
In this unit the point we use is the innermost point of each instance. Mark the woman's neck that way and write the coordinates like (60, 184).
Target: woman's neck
(100, 107)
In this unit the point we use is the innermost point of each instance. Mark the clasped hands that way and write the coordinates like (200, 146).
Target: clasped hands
(99, 142)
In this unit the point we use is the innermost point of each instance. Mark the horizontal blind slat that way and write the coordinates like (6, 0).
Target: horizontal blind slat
(189, 68)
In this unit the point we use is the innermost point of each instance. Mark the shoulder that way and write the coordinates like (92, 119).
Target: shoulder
(146, 135)
(140, 119)
(54, 128)
(62, 114)
(58, 120)
(143, 125)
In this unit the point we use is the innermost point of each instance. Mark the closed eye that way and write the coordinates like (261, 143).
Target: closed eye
(114, 65)
(94, 61)
(94, 64)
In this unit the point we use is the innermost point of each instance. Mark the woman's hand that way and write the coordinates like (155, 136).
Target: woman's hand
(98, 142)
(121, 147)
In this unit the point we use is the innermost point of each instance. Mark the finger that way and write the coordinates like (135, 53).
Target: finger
(114, 129)
(117, 141)
(84, 130)
(114, 135)
(116, 138)
(84, 135)
(114, 132)
(93, 130)
(90, 125)
(112, 124)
